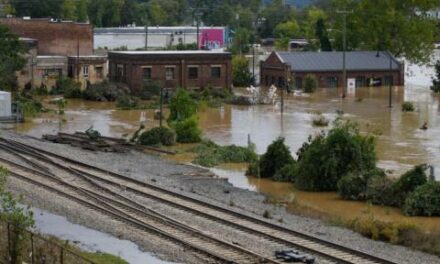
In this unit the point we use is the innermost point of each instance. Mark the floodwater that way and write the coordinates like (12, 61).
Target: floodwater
(400, 142)
(91, 240)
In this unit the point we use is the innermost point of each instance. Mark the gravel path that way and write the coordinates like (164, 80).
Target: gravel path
(199, 183)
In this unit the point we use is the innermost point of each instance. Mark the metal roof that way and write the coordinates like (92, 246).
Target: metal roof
(332, 61)
(170, 52)
(151, 30)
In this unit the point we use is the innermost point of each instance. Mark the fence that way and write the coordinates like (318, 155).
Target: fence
(34, 248)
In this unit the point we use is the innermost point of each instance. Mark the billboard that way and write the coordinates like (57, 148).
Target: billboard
(212, 38)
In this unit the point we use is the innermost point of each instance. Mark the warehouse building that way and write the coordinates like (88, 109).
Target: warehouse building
(171, 69)
(367, 68)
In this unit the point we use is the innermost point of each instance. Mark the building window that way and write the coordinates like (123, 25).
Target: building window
(216, 72)
(332, 82)
(146, 74)
(52, 72)
(169, 73)
(85, 70)
(99, 72)
(360, 81)
(273, 80)
(193, 72)
(388, 80)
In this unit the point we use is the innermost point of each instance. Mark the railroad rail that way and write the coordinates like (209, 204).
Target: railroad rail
(256, 226)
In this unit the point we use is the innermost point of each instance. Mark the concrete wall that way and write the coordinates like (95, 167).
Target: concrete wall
(5, 104)
(54, 38)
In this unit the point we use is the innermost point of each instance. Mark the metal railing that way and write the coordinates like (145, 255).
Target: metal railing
(34, 248)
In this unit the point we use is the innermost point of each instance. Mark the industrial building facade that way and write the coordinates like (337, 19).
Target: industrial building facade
(367, 68)
(171, 69)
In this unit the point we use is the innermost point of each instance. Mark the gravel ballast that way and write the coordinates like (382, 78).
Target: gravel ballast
(199, 183)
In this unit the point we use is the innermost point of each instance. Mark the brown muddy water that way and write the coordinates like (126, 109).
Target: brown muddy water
(400, 142)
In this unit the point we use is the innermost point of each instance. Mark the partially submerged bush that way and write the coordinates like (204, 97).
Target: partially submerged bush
(286, 173)
(211, 154)
(320, 121)
(408, 182)
(424, 201)
(105, 91)
(353, 185)
(324, 159)
(67, 86)
(380, 190)
(158, 136)
(276, 157)
(127, 102)
(150, 90)
(408, 107)
(436, 81)
(188, 130)
(311, 83)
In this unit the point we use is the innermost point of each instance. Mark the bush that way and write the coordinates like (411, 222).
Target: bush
(127, 102)
(324, 159)
(353, 185)
(188, 130)
(276, 157)
(408, 182)
(105, 91)
(157, 136)
(68, 87)
(182, 106)
(320, 121)
(286, 173)
(424, 201)
(211, 154)
(311, 83)
(408, 107)
(149, 90)
(380, 190)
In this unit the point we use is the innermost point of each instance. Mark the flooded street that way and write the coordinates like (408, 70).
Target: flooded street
(400, 142)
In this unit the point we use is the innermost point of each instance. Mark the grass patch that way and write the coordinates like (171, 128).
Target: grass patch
(103, 258)
(209, 154)
(408, 107)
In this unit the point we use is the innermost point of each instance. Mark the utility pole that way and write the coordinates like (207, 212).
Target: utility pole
(344, 48)
(253, 65)
(197, 13)
(390, 105)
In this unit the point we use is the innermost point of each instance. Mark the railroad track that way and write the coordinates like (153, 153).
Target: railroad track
(253, 225)
(132, 214)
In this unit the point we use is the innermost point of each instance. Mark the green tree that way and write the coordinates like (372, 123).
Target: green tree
(182, 106)
(42, 8)
(321, 34)
(241, 41)
(277, 156)
(424, 201)
(11, 58)
(241, 75)
(81, 9)
(68, 10)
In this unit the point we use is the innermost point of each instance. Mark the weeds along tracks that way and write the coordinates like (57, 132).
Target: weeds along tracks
(227, 216)
(134, 214)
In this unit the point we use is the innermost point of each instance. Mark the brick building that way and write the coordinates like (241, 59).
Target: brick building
(171, 69)
(59, 38)
(368, 68)
(57, 49)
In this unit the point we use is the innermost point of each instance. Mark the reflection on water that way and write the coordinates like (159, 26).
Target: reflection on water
(91, 240)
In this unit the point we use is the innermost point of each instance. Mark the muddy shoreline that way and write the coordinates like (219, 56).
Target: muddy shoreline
(199, 183)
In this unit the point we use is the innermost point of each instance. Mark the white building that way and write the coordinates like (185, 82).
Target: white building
(134, 38)
(5, 104)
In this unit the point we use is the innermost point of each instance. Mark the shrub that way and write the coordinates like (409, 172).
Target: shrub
(324, 159)
(68, 87)
(380, 190)
(408, 182)
(276, 157)
(211, 154)
(320, 121)
(105, 91)
(149, 90)
(286, 173)
(127, 102)
(424, 201)
(311, 83)
(188, 130)
(156, 136)
(182, 106)
(408, 107)
(353, 185)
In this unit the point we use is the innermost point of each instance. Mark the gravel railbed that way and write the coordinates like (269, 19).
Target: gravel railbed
(181, 178)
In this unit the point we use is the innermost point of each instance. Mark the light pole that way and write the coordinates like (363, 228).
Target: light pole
(344, 47)
(390, 81)
(253, 64)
